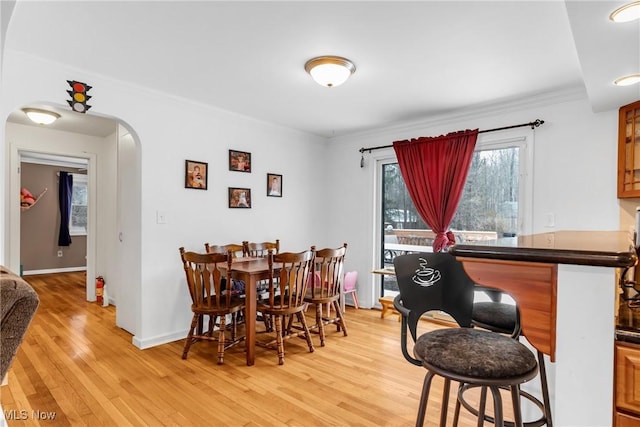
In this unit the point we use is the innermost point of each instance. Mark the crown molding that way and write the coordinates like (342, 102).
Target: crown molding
(472, 113)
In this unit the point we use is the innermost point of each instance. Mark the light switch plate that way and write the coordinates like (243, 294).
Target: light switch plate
(161, 217)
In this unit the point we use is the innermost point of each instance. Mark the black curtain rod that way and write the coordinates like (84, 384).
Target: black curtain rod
(533, 125)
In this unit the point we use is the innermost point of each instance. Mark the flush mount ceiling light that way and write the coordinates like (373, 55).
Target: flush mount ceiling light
(626, 13)
(628, 80)
(330, 71)
(41, 117)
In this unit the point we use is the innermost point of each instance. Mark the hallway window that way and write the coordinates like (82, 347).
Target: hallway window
(79, 199)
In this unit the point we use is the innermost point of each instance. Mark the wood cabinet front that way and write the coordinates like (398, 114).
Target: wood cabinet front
(629, 151)
(625, 420)
(627, 360)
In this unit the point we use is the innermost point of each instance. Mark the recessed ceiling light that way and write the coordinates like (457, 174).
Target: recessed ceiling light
(628, 80)
(41, 117)
(626, 13)
(330, 71)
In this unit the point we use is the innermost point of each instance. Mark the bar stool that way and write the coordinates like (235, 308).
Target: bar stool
(437, 281)
(504, 318)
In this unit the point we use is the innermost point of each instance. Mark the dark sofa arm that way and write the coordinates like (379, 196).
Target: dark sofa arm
(18, 304)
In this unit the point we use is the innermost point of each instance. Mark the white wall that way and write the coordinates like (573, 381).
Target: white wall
(168, 131)
(574, 175)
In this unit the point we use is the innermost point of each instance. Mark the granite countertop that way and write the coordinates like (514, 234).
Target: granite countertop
(597, 248)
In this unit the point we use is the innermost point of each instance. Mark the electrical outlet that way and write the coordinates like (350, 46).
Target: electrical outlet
(59, 254)
(550, 220)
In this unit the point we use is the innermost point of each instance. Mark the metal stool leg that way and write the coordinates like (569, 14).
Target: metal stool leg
(422, 409)
(445, 402)
(517, 410)
(545, 389)
(456, 414)
(497, 405)
(483, 405)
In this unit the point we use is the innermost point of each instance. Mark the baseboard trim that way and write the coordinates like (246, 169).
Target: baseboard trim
(143, 343)
(53, 270)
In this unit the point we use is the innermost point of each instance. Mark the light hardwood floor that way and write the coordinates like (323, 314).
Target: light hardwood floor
(77, 365)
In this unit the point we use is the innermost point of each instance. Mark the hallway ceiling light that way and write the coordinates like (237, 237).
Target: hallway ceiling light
(628, 80)
(330, 71)
(41, 117)
(626, 13)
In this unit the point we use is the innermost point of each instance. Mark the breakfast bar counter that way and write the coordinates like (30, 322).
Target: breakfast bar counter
(564, 284)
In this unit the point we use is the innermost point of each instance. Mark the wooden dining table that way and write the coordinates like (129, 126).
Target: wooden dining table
(250, 270)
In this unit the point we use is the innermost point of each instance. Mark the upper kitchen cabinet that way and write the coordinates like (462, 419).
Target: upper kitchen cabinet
(629, 151)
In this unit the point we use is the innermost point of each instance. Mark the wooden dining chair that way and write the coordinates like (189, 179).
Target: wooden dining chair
(210, 298)
(238, 287)
(326, 289)
(254, 249)
(288, 281)
(236, 249)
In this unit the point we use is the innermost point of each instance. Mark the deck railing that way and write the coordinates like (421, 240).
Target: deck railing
(421, 237)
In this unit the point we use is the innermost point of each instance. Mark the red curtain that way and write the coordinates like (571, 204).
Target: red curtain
(435, 170)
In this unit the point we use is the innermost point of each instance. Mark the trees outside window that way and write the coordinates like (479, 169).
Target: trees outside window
(79, 203)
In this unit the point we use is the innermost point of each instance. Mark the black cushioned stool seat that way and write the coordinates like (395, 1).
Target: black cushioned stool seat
(475, 353)
(495, 316)
(475, 357)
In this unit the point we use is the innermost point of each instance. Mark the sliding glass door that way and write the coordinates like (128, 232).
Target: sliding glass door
(492, 204)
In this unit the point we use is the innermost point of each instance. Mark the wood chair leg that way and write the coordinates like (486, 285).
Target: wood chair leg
(221, 340)
(187, 344)
(303, 320)
(340, 315)
(320, 323)
(279, 340)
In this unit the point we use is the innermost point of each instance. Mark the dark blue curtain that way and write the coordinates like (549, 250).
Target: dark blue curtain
(65, 191)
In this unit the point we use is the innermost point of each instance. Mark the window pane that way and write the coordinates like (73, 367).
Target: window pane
(79, 196)
(489, 202)
(79, 199)
(79, 217)
(399, 211)
(403, 229)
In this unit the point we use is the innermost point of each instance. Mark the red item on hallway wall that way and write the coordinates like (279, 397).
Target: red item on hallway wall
(99, 289)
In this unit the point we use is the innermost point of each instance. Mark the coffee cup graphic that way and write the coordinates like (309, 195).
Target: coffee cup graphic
(425, 275)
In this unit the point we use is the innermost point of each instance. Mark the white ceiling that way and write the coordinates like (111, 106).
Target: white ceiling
(415, 60)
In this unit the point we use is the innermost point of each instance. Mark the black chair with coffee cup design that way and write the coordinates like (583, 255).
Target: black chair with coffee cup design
(437, 281)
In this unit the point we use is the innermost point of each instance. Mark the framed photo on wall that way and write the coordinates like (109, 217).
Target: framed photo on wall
(239, 161)
(195, 174)
(239, 197)
(274, 185)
